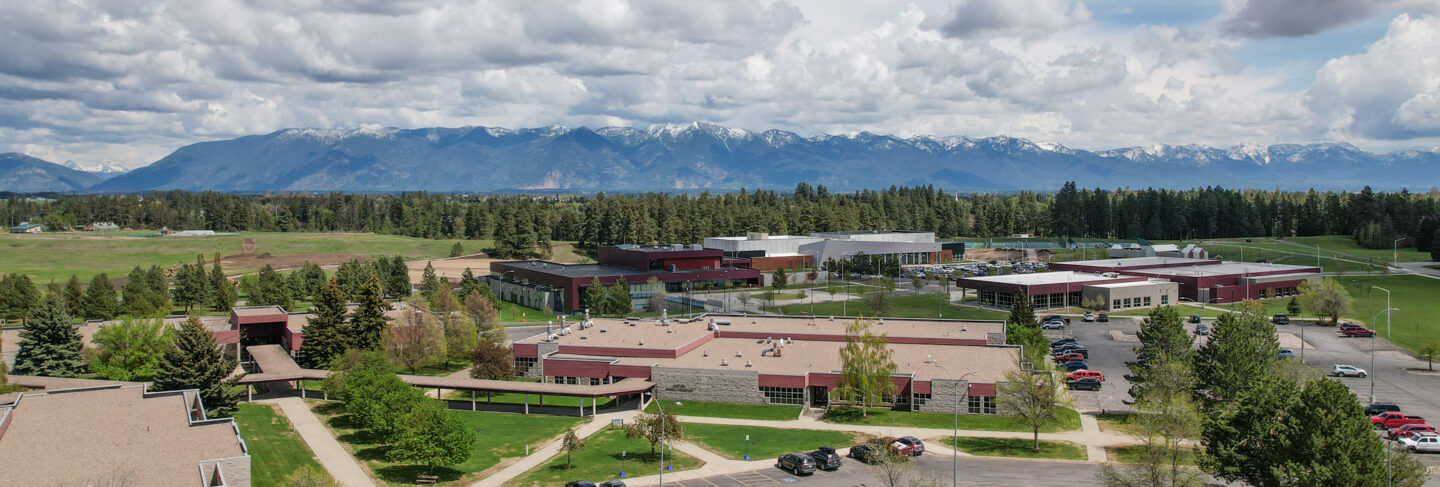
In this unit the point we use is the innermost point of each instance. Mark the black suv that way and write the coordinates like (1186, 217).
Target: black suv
(1280, 320)
(825, 458)
(797, 463)
(1084, 384)
(1194, 318)
(866, 454)
(580, 483)
(1103, 318)
(1378, 408)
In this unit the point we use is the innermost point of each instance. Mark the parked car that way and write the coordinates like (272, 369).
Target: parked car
(1060, 359)
(1347, 371)
(1084, 384)
(1065, 348)
(866, 454)
(896, 446)
(826, 458)
(1408, 430)
(1394, 419)
(1426, 443)
(1202, 329)
(1280, 319)
(1063, 341)
(1056, 318)
(1103, 317)
(1075, 365)
(1375, 408)
(1194, 318)
(1089, 316)
(1358, 332)
(797, 463)
(916, 446)
(1085, 373)
(1053, 325)
(1285, 353)
(580, 483)
(612, 483)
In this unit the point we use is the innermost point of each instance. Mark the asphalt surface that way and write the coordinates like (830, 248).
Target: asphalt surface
(974, 472)
(1106, 356)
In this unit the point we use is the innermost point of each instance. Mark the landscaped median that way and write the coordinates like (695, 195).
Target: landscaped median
(766, 412)
(1069, 420)
(1014, 448)
(729, 440)
(600, 460)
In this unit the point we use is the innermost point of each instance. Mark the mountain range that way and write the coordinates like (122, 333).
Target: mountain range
(699, 155)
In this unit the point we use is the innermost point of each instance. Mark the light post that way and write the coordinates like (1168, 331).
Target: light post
(1387, 309)
(622, 464)
(1372, 354)
(747, 447)
(955, 432)
(1395, 249)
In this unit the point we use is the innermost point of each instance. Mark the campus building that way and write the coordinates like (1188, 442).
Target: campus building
(676, 269)
(1205, 280)
(88, 432)
(768, 252)
(1063, 289)
(772, 359)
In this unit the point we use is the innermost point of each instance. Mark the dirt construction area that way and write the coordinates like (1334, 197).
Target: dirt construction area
(451, 268)
(288, 261)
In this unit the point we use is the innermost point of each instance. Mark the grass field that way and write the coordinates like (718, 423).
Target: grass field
(1070, 420)
(1132, 453)
(1280, 253)
(276, 451)
(502, 435)
(1414, 324)
(600, 461)
(1015, 448)
(1346, 244)
(1120, 422)
(725, 410)
(729, 440)
(914, 306)
(56, 256)
(514, 313)
(557, 401)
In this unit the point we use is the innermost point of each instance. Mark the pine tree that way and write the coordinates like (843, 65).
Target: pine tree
(619, 299)
(350, 276)
(429, 283)
(273, 290)
(196, 362)
(468, 283)
(594, 298)
(99, 302)
(74, 294)
(50, 345)
(158, 281)
(368, 323)
(397, 284)
(325, 334)
(457, 250)
(18, 296)
(222, 292)
(1162, 338)
(191, 287)
(1241, 349)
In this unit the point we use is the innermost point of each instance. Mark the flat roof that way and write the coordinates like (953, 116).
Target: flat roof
(258, 311)
(594, 270)
(82, 436)
(1150, 282)
(1039, 278)
(658, 248)
(801, 357)
(771, 237)
(616, 333)
(1139, 262)
(1227, 268)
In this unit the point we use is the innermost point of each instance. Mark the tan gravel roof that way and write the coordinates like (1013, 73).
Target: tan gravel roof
(800, 357)
(619, 333)
(86, 436)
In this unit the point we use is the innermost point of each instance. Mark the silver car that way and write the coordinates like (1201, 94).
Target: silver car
(1421, 443)
(1347, 371)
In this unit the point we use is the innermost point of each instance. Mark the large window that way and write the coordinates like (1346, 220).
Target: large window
(784, 395)
(1116, 305)
(523, 364)
(1147, 301)
(1164, 299)
(920, 400)
(982, 405)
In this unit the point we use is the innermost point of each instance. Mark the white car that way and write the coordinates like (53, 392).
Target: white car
(1421, 443)
(1347, 371)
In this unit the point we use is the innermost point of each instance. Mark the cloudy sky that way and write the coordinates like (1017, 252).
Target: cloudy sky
(128, 82)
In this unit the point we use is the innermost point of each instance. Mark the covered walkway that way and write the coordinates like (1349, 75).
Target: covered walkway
(275, 365)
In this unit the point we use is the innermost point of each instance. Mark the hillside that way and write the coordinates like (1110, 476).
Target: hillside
(24, 174)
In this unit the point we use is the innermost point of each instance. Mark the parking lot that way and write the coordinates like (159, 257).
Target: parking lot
(974, 472)
(1106, 356)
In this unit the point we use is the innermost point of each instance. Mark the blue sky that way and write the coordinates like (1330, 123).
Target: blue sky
(97, 81)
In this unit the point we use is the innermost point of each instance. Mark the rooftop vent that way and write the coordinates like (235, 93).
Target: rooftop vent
(602, 330)
(553, 337)
(724, 361)
(747, 363)
(881, 321)
(705, 353)
(737, 353)
(642, 341)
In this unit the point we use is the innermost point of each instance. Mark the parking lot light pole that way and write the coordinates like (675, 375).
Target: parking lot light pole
(1372, 354)
(1387, 309)
(955, 433)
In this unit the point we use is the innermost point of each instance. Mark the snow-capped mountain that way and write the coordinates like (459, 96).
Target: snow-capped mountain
(702, 155)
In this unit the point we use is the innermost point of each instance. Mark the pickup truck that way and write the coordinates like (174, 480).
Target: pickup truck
(1358, 332)
(1393, 419)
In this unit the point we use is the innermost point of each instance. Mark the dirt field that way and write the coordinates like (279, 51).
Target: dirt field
(288, 261)
(451, 268)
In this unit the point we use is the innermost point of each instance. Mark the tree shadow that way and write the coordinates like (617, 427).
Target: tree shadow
(407, 474)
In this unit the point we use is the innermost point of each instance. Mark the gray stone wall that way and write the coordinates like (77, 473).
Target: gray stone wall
(944, 393)
(533, 372)
(542, 349)
(737, 386)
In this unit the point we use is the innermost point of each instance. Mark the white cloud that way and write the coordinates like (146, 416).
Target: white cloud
(1000, 18)
(1388, 92)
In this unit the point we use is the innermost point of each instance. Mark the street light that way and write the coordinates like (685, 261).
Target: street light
(1387, 308)
(1372, 354)
(955, 433)
(1395, 248)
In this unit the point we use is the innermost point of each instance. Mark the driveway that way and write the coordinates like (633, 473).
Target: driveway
(974, 472)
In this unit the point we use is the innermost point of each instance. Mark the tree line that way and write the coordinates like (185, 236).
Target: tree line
(523, 225)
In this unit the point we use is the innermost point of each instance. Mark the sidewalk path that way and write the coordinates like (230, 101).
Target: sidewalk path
(332, 456)
(1089, 434)
(538, 457)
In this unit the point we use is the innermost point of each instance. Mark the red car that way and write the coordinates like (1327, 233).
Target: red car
(1409, 430)
(1080, 374)
(897, 446)
(1394, 419)
(1358, 332)
(1060, 359)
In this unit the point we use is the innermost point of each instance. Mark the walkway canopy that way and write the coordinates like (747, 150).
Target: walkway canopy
(275, 365)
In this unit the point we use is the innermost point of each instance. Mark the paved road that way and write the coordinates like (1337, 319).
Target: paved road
(974, 472)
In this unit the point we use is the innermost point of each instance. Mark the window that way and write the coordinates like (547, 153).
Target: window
(1164, 299)
(1147, 300)
(524, 364)
(920, 400)
(1127, 302)
(982, 405)
(783, 395)
(1116, 305)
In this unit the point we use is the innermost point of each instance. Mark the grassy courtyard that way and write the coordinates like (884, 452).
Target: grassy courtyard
(276, 451)
(1070, 420)
(600, 461)
(729, 440)
(726, 410)
(502, 436)
(1015, 448)
(1133, 454)
(913, 306)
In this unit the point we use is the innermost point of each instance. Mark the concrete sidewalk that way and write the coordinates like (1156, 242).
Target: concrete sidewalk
(341, 465)
(1089, 434)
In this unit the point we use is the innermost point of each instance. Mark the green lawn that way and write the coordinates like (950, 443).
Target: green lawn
(600, 461)
(1070, 420)
(1280, 253)
(511, 312)
(502, 435)
(781, 296)
(726, 410)
(1414, 324)
(565, 401)
(55, 256)
(1122, 422)
(1132, 453)
(1346, 244)
(275, 450)
(729, 440)
(1015, 448)
(914, 306)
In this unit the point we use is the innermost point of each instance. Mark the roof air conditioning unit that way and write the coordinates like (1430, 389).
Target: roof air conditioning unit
(724, 361)
(737, 353)
(642, 341)
(881, 321)
(553, 337)
(747, 363)
(705, 353)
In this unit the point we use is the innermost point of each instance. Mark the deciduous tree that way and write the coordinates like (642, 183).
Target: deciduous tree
(493, 360)
(571, 444)
(132, 349)
(652, 427)
(866, 364)
(1032, 397)
(417, 340)
(432, 435)
(1328, 298)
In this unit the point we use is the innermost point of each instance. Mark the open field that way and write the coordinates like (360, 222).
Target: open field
(1280, 253)
(1414, 324)
(478, 262)
(1070, 420)
(1346, 244)
(913, 306)
(1014, 447)
(503, 436)
(55, 256)
(600, 461)
(725, 410)
(729, 440)
(276, 451)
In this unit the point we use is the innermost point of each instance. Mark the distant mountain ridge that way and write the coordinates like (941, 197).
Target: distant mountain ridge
(708, 156)
(24, 174)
